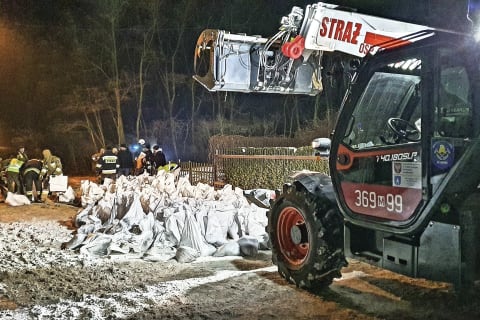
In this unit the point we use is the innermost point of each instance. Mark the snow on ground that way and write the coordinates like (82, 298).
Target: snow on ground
(47, 281)
(37, 245)
(28, 245)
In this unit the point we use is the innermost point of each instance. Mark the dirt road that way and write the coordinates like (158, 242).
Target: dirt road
(64, 285)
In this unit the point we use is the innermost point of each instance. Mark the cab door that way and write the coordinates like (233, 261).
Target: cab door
(408, 122)
(378, 168)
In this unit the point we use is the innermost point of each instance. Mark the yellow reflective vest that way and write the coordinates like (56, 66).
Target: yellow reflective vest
(14, 165)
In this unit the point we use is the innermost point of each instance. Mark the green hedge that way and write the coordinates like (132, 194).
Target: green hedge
(266, 173)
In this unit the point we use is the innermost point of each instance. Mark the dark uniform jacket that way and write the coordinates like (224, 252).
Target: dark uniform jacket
(32, 165)
(108, 163)
(125, 159)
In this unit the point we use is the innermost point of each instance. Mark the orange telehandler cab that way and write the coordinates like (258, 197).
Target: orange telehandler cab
(403, 190)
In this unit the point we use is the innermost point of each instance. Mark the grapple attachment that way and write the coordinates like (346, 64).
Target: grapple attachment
(234, 62)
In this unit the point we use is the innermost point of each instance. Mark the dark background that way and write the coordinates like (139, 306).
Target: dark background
(72, 69)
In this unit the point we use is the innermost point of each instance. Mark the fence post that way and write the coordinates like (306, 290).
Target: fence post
(190, 176)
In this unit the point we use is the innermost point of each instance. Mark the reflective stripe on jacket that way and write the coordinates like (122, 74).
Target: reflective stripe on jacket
(14, 165)
(108, 163)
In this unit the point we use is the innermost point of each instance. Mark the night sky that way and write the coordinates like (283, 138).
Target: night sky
(67, 64)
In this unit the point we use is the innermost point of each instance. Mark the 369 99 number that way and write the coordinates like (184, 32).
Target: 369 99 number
(372, 200)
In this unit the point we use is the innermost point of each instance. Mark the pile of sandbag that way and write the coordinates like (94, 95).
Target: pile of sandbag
(158, 218)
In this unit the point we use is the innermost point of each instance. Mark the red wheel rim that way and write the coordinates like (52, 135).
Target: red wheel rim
(294, 253)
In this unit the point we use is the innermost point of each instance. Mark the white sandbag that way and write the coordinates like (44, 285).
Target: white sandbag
(123, 203)
(87, 228)
(183, 217)
(155, 201)
(226, 191)
(96, 245)
(186, 254)
(16, 200)
(170, 187)
(159, 181)
(257, 221)
(141, 242)
(134, 215)
(264, 242)
(75, 242)
(231, 248)
(114, 228)
(192, 237)
(103, 211)
(84, 185)
(160, 254)
(93, 224)
(119, 248)
(82, 216)
(201, 215)
(184, 187)
(161, 249)
(204, 191)
(107, 182)
(218, 224)
(160, 234)
(248, 246)
(68, 196)
(234, 231)
(90, 193)
(174, 223)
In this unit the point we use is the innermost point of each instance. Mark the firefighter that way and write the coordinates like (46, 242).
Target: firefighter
(144, 161)
(31, 177)
(13, 175)
(148, 160)
(95, 158)
(52, 166)
(3, 174)
(21, 155)
(159, 159)
(125, 161)
(107, 165)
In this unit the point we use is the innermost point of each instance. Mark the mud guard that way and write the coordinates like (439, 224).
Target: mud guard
(317, 183)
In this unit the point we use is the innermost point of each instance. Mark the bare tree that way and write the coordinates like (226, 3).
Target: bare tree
(116, 7)
(145, 57)
(104, 55)
(197, 100)
(88, 107)
(169, 78)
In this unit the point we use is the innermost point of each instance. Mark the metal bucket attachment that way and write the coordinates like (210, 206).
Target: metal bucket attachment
(235, 62)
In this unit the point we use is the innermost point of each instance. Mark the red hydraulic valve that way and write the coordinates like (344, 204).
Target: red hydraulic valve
(294, 48)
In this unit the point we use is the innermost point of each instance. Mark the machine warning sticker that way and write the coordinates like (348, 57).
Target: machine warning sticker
(443, 155)
(407, 174)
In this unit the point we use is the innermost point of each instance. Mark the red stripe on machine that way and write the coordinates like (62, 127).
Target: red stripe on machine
(385, 42)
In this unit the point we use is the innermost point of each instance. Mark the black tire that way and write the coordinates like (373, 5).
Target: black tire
(306, 233)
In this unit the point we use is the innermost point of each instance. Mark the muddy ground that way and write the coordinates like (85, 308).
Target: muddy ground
(71, 287)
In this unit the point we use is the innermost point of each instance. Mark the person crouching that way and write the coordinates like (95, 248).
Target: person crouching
(31, 177)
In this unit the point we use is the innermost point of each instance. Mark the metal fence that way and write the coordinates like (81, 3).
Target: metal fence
(250, 168)
(198, 172)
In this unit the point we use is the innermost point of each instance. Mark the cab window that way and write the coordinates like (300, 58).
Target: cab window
(389, 110)
(454, 110)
